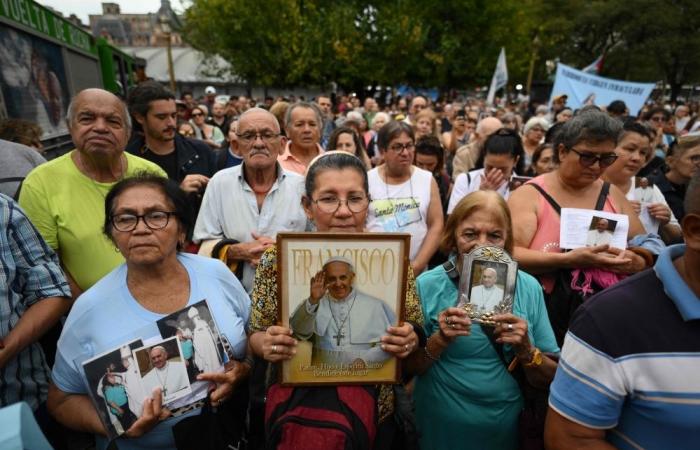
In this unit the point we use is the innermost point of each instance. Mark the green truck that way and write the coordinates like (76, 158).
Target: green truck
(45, 60)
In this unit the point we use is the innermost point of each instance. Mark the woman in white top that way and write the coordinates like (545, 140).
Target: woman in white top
(633, 152)
(404, 198)
(501, 159)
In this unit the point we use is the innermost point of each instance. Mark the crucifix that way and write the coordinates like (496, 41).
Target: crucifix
(338, 337)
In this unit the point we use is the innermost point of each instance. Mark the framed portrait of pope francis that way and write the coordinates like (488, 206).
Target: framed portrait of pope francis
(338, 293)
(487, 283)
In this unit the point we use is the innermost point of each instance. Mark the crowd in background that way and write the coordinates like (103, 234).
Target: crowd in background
(229, 173)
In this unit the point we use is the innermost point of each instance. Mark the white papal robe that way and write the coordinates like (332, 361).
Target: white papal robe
(172, 379)
(339, 339)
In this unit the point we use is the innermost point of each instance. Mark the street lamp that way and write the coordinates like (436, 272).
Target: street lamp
(165, 27)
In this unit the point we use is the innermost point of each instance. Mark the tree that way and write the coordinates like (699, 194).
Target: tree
(355, 43)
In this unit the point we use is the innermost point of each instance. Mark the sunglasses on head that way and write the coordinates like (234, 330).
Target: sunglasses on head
(587, 159)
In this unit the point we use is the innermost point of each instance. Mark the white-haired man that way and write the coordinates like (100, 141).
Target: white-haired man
(487, 295)
(244, 207)
(600, 235)
(169, 376)
(345, 324)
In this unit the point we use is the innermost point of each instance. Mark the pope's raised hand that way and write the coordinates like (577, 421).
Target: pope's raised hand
(318, 287)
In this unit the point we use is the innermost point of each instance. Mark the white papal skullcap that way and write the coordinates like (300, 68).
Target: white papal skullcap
(192, 312)
(342, 259)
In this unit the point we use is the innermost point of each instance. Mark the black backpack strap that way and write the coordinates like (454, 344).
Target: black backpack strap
(600, 203)
(547, 197)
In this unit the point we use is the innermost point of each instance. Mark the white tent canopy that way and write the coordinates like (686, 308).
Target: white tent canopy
(189, 65)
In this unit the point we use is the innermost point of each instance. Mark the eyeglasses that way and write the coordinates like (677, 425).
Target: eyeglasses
(187, 133)
(398, 148)
(331, 204)
(154, 220)
(197, 114)
(587, 159)
(250, 136)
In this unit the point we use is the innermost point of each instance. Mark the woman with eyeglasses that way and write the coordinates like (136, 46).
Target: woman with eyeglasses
(405, 199)
(147, 218)
(337, 201)
(584, 148)
(533, 135)
(465, 396)
(203, 131)
(501, 159)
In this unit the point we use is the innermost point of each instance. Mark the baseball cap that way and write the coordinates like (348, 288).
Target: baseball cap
(210, 90)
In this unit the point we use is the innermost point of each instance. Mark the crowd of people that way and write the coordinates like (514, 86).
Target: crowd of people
(166, 201)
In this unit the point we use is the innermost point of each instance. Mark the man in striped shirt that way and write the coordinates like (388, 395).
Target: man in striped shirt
(629, 374)
(34, 294)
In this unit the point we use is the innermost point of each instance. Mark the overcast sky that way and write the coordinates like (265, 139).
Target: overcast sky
(82, 8)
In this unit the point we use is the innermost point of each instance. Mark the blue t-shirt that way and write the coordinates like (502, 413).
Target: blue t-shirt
(631, 359)
(107, 315)
(116, 394)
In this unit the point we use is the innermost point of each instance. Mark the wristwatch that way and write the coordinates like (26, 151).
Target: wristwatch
(536, 358)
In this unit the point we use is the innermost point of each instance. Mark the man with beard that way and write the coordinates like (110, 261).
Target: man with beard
(187, 161)
(247, 205)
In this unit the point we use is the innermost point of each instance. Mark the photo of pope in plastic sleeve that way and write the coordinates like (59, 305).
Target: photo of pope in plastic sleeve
(162, 366)
(339, 310)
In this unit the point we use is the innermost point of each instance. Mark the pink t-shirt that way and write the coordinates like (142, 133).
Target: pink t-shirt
(546, 238)
(291, 163)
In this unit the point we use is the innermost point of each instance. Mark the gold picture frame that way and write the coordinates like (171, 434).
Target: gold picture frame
(363, 279)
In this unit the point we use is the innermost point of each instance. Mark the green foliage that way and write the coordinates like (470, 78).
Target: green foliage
(444, 43)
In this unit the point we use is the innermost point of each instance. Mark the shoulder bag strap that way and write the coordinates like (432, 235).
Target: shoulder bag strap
(600, 203)
(547, 197)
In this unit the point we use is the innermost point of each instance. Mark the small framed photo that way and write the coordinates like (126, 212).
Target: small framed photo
(600, 231)
(114, 386)
(161, 365)
(198, 336)
(339, 293)
(487, 283)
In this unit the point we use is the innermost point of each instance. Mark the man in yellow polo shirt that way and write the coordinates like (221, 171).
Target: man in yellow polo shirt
(64, 198)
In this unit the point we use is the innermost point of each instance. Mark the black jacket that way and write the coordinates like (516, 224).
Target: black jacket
(193, 157)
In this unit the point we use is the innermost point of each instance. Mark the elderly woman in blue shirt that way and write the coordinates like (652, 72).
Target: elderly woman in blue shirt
(147, 218)
(465, 397)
